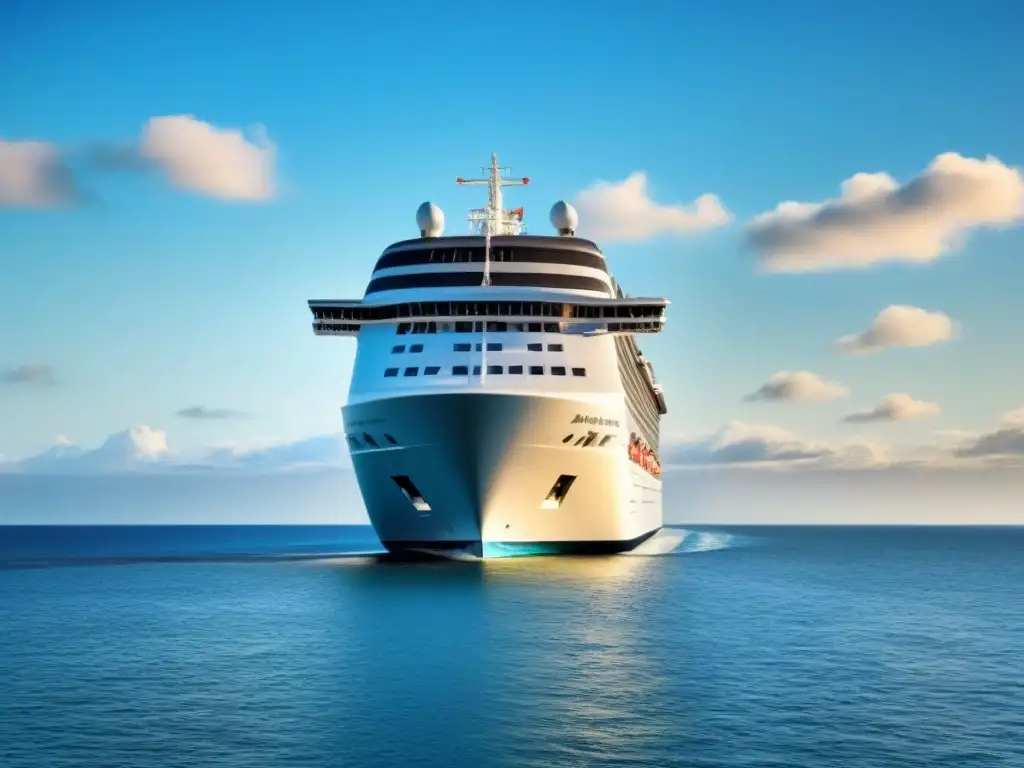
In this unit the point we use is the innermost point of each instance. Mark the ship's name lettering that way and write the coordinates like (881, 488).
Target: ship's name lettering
(365, 422)
(599, 421)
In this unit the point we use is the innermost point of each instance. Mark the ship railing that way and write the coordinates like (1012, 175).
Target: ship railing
(573, 326)
(577, 308)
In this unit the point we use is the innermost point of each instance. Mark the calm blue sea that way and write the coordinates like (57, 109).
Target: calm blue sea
(284, 646)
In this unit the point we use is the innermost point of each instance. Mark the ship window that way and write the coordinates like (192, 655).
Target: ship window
(479, 347)
(390, 372)
(390, 439)
(416, 348)
(353, 441)
(403, 328)
(580, 442)
(554, 347)
(535, 347)
(515, 369)
(579, 371)
(497, 327)
(431, 370)
(604, 441)
(567, 438)
(419, 328)
(368, 438)
(493, 347)
(591, 437)
(495, 369)
(460, 370)
(557, 370)
(462, 347)
(413, 371)
(558, 492)
(535, 327)
(550, 327)
(412, 493)
(476, 370)
(398, 349)
(536, 370)
(462, 326)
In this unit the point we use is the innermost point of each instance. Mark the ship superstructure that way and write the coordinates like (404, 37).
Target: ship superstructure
(499, 403)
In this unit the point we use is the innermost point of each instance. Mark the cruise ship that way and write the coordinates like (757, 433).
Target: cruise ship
(499, 403)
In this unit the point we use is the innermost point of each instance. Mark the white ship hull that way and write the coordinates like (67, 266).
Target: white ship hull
(484, 464)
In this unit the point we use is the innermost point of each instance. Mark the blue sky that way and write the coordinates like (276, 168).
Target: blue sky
(153, 298)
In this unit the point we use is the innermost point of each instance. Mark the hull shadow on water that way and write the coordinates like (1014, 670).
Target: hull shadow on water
(669, 541)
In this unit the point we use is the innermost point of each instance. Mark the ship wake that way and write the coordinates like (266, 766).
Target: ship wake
(678, 541)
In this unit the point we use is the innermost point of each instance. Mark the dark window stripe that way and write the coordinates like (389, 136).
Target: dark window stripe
(518, 255)
(466, 279)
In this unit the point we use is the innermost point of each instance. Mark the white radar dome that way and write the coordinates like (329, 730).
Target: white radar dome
(564, 218)
(430, 220)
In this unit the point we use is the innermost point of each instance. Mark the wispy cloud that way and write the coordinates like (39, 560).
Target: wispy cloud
(900, 326)
(31, 374)
(35, 174)
(113, 157)
(876, 219)
(895, 407)
(201, 412)
(1006, 440)
(739, 443)
(624, 211)
(320, 450)
(144, 449)
(798, 387)
(132, 449)
(192, 154)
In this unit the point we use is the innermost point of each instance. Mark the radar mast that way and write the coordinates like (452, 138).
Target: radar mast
(495, 220)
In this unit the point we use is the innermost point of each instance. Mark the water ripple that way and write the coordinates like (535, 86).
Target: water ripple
(753, 648)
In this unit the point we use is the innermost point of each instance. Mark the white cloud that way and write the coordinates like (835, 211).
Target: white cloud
(895, 407)
(194, 155)
(739, 443)
(33, 174)
(877, 220)
(900, 326)
(623, 211)
(798, 386)
(142, 448)
(133, 449)
(203, 158)
(735, 444)
(1005, 441)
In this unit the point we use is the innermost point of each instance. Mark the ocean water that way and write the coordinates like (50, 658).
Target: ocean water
(289, 646)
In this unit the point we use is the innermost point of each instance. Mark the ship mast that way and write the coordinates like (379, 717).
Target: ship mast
(494, 219)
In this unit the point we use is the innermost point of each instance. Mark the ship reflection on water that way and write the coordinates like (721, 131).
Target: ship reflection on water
(539, 569)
